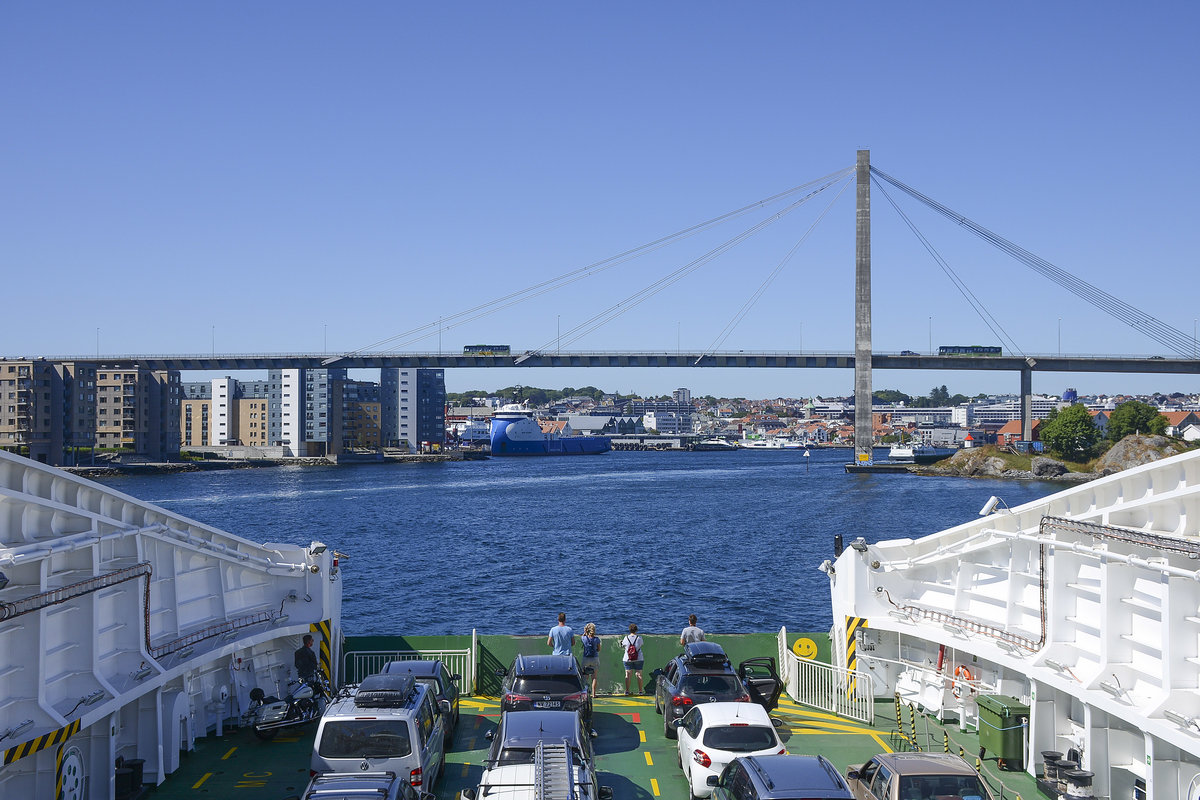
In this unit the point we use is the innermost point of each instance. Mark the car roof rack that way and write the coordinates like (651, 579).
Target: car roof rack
(385, 691)
(704, 652)
(553, 774)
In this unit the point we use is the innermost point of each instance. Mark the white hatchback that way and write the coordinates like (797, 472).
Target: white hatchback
(713, 734)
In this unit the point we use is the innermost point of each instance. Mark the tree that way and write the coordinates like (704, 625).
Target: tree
(889, 396)
(1070, 433)
(1135, 417)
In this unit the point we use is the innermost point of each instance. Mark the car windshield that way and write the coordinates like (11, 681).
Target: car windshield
(710, 684)
(359, 738)
(548, 684)
(950, 787)
(740, 738)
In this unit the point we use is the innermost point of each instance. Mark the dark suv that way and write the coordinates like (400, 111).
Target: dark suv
(703, 674)
(545, 682)
(780, 778)
(434, 675)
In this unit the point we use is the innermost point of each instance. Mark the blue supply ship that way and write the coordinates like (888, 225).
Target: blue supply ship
(515, 432)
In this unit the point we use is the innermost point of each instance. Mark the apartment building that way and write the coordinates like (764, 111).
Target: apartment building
(354, 416)
(138, 411)
(195, 414)
(412, 408)
(299, 407)
(30, 406)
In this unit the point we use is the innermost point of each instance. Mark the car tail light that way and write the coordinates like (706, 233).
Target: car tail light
(782, 751)
(414, 777)
(512, 697)
(701, 758)
(680, 700)
(744, 698)
(578, 697)
(312, 773)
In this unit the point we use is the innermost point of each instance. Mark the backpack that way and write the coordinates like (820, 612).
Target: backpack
(631, 652)
(591, 646)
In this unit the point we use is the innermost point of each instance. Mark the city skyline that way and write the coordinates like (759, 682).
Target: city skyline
(319, 180)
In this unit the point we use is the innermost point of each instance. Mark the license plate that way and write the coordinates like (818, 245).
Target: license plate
(547, 704)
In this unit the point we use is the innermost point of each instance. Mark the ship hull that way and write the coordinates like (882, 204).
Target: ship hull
(522, 436)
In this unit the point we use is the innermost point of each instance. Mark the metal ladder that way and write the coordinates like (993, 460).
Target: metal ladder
(553, 776)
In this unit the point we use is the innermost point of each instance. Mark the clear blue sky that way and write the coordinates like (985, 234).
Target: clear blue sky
(300, 176)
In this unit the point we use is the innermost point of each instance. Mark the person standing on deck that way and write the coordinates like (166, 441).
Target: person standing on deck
(634, 658)
(306, 659)
(691, 633)
(591, 652)
(561, 637)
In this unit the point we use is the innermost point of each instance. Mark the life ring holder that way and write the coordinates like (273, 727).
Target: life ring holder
(962, 675)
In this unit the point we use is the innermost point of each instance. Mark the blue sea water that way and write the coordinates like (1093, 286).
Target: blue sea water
(503, 545)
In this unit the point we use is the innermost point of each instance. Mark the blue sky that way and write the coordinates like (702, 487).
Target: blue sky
(294, 177)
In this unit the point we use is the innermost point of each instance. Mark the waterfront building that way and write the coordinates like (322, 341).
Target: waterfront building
(412, 408)
(195, 415)
(138, 411)
(299, 406)
(682, 396)
(355, 416)
(1010, 409)
(667, 422)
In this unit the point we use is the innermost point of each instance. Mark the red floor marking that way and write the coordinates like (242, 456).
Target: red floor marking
(636, 718)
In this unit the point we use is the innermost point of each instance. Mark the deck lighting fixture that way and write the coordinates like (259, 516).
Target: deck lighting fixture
(1052, 664)
(1179, 719)
(859, 544)
(88, 700)
(1010, 647)
(900, 615)
(229, 636)
(185, 652)
(279, 620)
(1112, 688)
(3, 580)
(954, 629)
(989, 506)
(144, 672)
(17, 730)
(316, 548)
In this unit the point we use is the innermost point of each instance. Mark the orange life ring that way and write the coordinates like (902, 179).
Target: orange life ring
(965, 674)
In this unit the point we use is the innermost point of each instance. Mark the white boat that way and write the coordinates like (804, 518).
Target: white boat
(772, 443)
(1084, 606)
(129, 631)
(919, 453)
(713, 445)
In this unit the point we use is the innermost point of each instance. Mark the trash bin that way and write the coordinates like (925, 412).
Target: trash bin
(138, 765)
(1001, 728)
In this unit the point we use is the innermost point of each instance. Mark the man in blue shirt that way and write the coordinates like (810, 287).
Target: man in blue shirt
(561, 636)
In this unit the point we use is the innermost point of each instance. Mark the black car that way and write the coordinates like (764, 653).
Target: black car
(704, 674)
(780, 778)
(514, 739)
(545, 683)
(434, 674)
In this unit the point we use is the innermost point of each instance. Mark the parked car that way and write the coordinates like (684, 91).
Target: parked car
(435, 675)
(545, 683)
(388, 723)
(713, 734)
(909, 353)
(703, 673)
(550, 744)
(898, 776)
(780, 778)
(365, 785)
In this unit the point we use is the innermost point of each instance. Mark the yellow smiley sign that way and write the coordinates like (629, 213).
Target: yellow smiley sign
(805, 648)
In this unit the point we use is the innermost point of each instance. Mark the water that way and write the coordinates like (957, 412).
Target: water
(503, 545)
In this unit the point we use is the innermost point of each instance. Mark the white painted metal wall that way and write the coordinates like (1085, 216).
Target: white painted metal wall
(128, 630)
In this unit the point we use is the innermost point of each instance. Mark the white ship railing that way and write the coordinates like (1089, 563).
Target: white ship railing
(361, 663)
(847, 693)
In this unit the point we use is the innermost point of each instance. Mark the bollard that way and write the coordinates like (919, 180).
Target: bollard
(961, 753)
(945, 742)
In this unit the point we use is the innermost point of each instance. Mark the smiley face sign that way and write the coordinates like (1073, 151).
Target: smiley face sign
(805, 647)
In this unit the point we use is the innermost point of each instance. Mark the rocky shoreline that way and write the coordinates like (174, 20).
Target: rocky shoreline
(989, 462)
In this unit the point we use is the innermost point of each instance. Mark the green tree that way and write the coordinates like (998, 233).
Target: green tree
(1070, 433)
(1135, 417)
(884, 396)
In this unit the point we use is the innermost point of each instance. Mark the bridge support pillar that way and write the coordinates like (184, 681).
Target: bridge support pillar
(1027, 402)
(864, 431)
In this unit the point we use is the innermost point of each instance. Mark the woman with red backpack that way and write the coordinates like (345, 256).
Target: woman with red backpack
(631, 654)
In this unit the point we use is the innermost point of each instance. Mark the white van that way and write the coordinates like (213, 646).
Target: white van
(387, 723)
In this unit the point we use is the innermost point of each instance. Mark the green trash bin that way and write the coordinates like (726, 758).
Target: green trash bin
(1002, 727)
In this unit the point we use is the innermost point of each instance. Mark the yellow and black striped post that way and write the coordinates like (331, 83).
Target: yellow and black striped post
(41, 742)
(945, 741)
(899, 724)
(912, 726)
(325, 653)
(853, 625)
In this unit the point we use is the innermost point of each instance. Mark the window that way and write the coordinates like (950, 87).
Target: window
(880, 784)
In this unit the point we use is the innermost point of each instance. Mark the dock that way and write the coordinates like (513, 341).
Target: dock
(878, 466)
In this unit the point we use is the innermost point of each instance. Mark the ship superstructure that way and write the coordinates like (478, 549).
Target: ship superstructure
(127, 632)
(1085, 606)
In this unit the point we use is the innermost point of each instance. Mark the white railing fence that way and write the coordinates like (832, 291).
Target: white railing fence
(361, 663)
(825, 687)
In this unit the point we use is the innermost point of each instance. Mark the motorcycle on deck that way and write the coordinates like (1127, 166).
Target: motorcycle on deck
(304, 703)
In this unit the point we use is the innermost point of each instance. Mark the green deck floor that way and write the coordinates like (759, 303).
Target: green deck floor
(633, 755)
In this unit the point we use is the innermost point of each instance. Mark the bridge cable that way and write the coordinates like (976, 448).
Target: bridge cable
(1140, 321)
(640, 296)
(988, 318)
(513, 298)
(754, 298)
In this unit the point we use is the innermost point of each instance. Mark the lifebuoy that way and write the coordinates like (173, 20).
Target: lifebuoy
(961, 672)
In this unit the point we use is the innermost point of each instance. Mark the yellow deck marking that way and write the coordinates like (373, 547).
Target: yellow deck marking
(466, 768)
(227, 755)
(881, 742)
(649, 761)
(642, 735)
(196, 785)
(465, 703)
(654, 786)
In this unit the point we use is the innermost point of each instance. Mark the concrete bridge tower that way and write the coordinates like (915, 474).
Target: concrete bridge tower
(863, 429)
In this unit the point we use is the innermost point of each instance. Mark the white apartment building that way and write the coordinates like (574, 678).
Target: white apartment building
(221, 413)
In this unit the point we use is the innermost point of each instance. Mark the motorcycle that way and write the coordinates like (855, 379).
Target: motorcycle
(305, 703)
